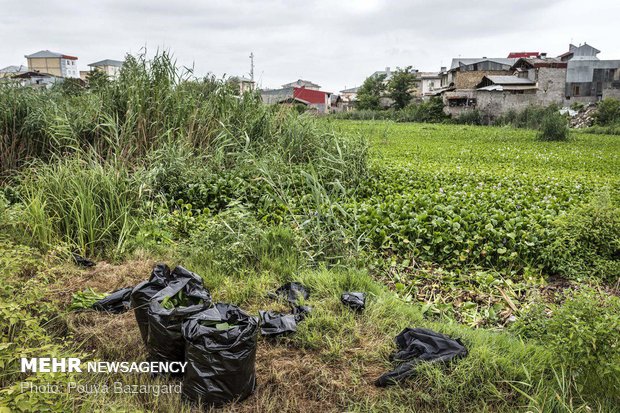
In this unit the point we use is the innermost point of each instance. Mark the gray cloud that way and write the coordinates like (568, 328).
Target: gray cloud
(334, 43)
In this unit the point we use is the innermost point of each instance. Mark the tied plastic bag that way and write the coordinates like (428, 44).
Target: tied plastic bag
(417, 345)
(142, 294)
(184, 296)
(220, 355)
(116, 303)
(354, 300)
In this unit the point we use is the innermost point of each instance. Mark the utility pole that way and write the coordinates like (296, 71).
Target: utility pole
(252, 66)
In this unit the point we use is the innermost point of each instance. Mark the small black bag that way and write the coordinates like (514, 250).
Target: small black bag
(355, 301)
(142, 294)
(115, 303)
(165, 339)
(220, 355)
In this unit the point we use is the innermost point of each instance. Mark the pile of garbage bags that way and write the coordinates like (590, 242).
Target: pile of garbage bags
(179, 322)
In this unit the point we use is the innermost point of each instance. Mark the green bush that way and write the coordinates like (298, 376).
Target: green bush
(582, 334)
(608, 112)
(586, 241)
(553, 128)
(91, 206)
(471, 117)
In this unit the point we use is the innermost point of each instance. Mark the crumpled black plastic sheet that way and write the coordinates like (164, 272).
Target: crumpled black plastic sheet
(274, 323)
(165, 339)
(418, 345)
(81, 261)
(116, 303)
(354, 300)
(293, 291)
(220, 362)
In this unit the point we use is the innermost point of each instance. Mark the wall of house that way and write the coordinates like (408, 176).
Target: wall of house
(470, 79)
(49, 65)
(611, 93)
(550, 84)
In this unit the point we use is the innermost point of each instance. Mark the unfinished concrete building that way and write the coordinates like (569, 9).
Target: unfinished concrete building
(589, 79)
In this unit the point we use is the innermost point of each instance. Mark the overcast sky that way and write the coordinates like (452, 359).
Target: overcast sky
(333, 43)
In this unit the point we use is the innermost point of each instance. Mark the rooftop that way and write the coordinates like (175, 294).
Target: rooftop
(14, 69)
(510, 80)
(466, 61)
(47, 53)
(107, 62)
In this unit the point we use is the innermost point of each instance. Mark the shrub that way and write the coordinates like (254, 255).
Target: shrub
(582, 333)
(553, 128)
(89, 205)
(608, 112)
(586, 241)
(471, 117)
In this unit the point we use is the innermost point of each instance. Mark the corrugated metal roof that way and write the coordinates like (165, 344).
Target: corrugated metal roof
(510, 80)
(502, 88)
(456, 62)
(350, 90)
(107, 62)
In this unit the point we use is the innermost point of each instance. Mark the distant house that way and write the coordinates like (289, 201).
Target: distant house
(56, 64)
(300, 83)
(312, 98)
(10, 71)
(245, 84)
(466, 73)
(110, 67)
(428, 82)
(36, 79)
(349, 96)
(589, 79)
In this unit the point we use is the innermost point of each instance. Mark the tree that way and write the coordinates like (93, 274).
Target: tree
(97, 80)
(400, 85)
(369, 94)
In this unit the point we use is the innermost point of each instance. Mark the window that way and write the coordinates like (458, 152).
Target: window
(576, 90)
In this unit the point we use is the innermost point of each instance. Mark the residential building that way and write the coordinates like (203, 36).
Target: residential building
(36, 79)
(349, 96)
(10, 71)
(315, 99)
(466, 73)
(245, 85)
(589, 79)
(428, 82)
(530, 81)
(300, 83)
(110, 67)
(56, 64)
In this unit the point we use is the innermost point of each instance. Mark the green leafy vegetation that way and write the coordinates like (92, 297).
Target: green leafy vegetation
(483, 233)
(84, 300)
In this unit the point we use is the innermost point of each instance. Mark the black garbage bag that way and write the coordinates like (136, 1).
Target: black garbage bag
(220, 355)
(117, 302)
(142, 294)
(354, 300)
(417, 345)
(292, 291)
(184, 296)
(274, 324)
(81, 261)
(301, 311)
